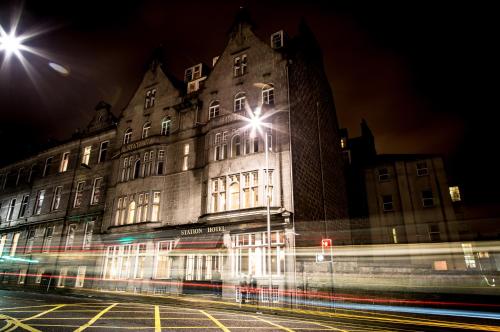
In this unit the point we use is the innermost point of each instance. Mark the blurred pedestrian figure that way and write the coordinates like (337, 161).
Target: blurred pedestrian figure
(243, 290)
(253, 289)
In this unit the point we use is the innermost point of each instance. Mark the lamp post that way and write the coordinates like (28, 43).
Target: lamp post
(257, 124)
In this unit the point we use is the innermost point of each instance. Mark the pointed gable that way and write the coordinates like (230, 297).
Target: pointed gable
(102, 119)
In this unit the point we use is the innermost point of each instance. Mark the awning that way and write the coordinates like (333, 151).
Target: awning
(200, 242)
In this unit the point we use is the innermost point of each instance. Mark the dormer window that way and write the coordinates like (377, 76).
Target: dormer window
(213, 109)
(192, 73)
(128, 136)
(150, 98)
(239, 102)
(268, 95)
(240, 65)
(145, 129)
(277, 39)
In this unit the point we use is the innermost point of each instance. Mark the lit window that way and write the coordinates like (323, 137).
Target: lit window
(268, 95)
(56, 200)
(48, 164)
(131, 213)
(455, 194)
(80, 276)
(47, 239)
(148, 163)
(239, 102)
(219, 194)
(39, 202)
(70, 237)
(251, 256)
(79, 194)
(150, 98)
(145, 129)
(383, 174)
(269, 184)
(236, 146)
(387, 202)
(155, 211)
(119, 212)
(251, 143)
(61, 280)
(103, 152)
(185, 159)
(3, 239)
(234, 192)
(127, 136)
(422, 169)
(166, 123)
(343, 143)
(13, 247)
(87, 237)
(10, 211)
(213, 109)
(470, 260)
(96, 191)
(240, 65)
(86, 155)
(221, 146)
(39, 275)
(64, 162)
(163, 259)
(29, 242)
(394, 235)
(427, 198)
(24, 206)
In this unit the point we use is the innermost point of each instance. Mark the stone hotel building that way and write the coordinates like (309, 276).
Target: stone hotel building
(171, 196)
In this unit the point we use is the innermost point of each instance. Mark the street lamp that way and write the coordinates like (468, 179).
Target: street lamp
(257, 124)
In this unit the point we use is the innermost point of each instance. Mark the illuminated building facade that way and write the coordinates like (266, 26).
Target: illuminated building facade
(186, 182)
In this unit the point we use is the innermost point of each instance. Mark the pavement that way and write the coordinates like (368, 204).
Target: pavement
(31, 311)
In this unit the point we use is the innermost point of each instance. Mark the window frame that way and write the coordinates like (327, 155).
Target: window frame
(103, 151)
(213, 109)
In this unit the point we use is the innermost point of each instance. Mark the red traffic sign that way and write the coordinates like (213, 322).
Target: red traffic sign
(325, 243)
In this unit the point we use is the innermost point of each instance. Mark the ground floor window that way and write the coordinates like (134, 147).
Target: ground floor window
(22, 276)
(80, 276)
(204, 266)
(164, 260)
(39, 275)
(61, 281)
(250, 254)
(125, 261)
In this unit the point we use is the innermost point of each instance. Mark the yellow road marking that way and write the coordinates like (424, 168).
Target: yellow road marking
(219, 324)
(17, 324)
(96, 317)
(43, 313)
(157, 319)
(329, 327)
(274, 324)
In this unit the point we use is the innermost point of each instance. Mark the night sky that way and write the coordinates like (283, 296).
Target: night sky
(416, 72)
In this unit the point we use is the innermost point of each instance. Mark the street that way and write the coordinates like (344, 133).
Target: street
(25, 311)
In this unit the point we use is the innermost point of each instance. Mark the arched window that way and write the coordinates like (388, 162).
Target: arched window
(239, 102)
(213, 109)
(128, 136)
(131, 213)
(234, 194)
(145, 129)
(268, 95)
(236, 146)
(165, 126)
(137, 168)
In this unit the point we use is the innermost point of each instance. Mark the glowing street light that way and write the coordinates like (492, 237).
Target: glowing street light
(10, 43)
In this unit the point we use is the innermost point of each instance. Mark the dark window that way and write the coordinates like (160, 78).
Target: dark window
(137, 168)
(427, 198)
(422, 169)
(387, 203)
(383, 174)
(434, 234)
(103, 152)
